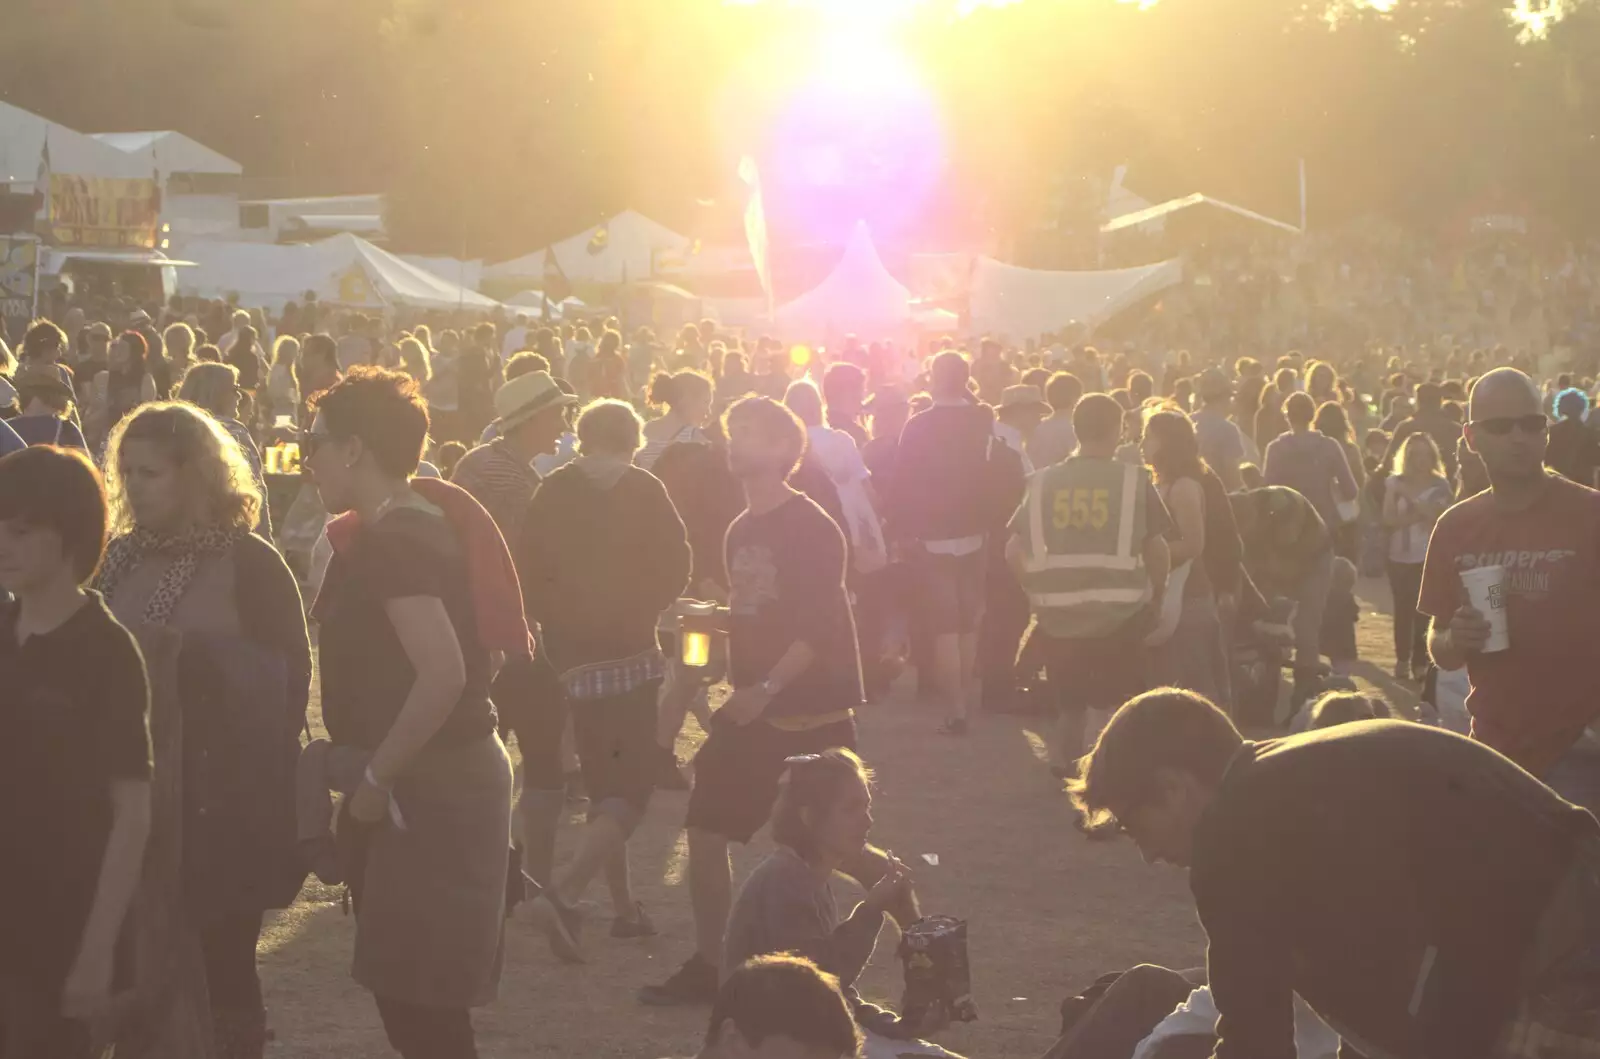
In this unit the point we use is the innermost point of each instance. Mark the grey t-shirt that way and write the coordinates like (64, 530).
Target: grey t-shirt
(1053, 441)
(1309, 463)
(1221, 446)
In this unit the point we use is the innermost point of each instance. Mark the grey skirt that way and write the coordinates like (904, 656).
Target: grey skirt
(431, 925)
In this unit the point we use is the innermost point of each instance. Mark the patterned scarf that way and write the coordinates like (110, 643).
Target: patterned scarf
(124, 553)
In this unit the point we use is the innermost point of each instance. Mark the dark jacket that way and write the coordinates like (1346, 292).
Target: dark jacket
(244, 706)
(1391, 874)
(708, 499)
(599, 562)
(941, 488)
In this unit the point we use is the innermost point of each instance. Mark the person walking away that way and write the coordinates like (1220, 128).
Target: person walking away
(602, 554)
(533, 414)
(183, 562)
(1190, 656)
(832, 454)
(405, 685)
(886, 600)
(283, 395)
(1330, 422)
(1088, 545)
(1429, 417)
(844, 391)
(215, 388)
(1222, 444)
(708, 498)
(686, 396)
(938, 510)
(1311, 464)
(1413, 499)
(1545, 531)
(608, 372)
(45, 401)
(477, 372)
(821, 822)
(245, 356)
(74, 764)
(795, 672)
(1479, 940)
(1574, 451)
(1053, 439)
(1288, 554)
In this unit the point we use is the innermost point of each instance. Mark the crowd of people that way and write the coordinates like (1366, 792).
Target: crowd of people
(529, 532)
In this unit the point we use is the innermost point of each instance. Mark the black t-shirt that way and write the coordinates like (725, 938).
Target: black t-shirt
(786, 571)
(73, 708)
(366, 673)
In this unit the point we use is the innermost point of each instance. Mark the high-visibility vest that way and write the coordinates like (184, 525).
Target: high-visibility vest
(1082, 528)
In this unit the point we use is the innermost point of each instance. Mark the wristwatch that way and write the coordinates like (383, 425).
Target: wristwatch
(770, 688)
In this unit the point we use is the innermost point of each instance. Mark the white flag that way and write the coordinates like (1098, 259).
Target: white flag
(755, 226)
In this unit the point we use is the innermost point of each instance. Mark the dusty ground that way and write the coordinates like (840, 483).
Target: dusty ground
(1049, 911)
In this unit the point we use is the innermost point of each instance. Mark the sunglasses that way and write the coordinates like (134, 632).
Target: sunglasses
(1500, 426)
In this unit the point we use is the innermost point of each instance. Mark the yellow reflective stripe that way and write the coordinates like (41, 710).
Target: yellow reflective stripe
(1091, 595)
(1081, 562)
(1130, 487)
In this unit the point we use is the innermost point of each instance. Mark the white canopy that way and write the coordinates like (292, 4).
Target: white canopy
(468, 274)
(1172, 206)
(343, 270)
(170, 152)
(22, 139)
(858, 297)
(626, 252)
(1021, 303)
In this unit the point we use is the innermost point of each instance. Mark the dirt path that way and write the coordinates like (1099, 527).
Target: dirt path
(1049, 910)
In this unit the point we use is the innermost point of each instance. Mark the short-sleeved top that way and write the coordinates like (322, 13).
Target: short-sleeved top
(1309, 463)
(786, 570)
(73, 709)
(1532, 701)
(366, 673)
(1221, 444)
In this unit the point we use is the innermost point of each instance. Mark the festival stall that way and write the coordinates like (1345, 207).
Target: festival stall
(343, 270)
(615, 251)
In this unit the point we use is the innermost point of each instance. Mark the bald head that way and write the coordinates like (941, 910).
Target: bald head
(1503, 393)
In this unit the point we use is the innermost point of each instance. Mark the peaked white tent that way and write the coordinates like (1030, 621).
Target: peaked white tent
(1021, 303)
(625, 252)
(343, 270)
(168, 152)
(22, 139)
(859, 296)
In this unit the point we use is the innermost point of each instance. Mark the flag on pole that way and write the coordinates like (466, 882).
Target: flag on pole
(557, 288)
(755, 226)
(41, 183)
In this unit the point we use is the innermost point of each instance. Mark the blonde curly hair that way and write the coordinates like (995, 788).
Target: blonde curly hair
(217, 474)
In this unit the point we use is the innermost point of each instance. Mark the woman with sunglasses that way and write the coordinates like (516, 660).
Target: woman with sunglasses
(405, 689)
(184, 567)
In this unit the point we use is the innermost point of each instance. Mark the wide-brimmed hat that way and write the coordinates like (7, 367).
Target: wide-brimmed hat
(526, 396)
(1213, 382)
(1023, 397)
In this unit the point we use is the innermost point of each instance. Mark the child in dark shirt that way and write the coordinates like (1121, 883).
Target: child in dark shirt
(1339, 619)
(74, 761)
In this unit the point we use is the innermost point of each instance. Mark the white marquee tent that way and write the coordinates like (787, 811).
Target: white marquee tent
(1021, 303)
(859, 296)
(22, 140)
(343, 270)
(169, 152)
(626, 253)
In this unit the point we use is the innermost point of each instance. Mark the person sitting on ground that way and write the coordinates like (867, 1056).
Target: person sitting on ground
(1487, 876)
(820, 823)
(780, 1007)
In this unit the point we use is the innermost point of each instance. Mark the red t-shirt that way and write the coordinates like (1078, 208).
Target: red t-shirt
(1532, 701)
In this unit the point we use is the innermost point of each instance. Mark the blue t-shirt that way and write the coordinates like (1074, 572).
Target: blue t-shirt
(49, 430)
(9, 440)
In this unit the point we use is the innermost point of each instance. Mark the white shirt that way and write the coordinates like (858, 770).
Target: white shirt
(1409, 544)
(514, 342)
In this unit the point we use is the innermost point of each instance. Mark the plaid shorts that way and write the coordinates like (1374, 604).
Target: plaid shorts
(604, 680)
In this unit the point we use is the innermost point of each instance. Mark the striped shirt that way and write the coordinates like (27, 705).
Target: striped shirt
(500, 481)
